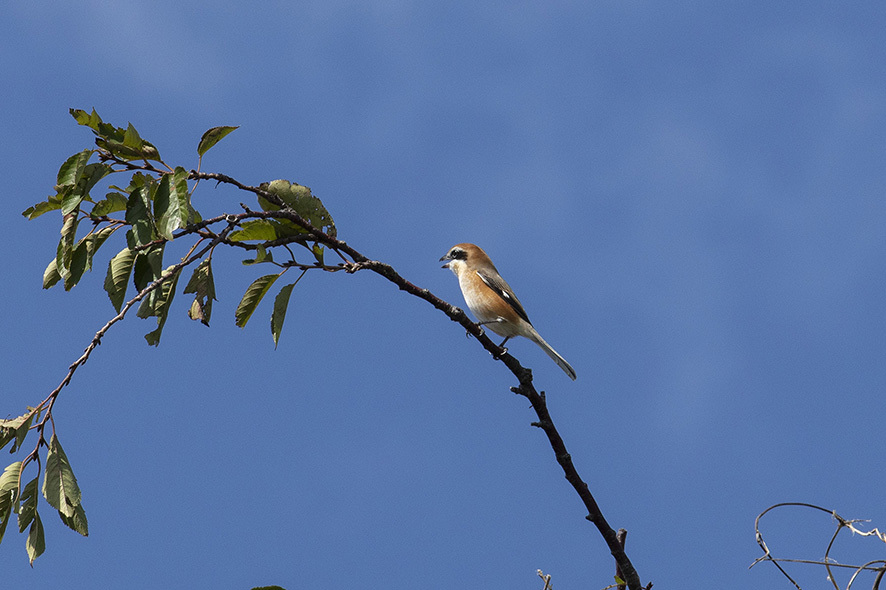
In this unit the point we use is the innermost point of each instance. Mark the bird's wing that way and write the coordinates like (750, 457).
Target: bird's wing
(503, 290)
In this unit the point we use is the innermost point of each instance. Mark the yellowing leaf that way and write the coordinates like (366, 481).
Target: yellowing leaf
(257, 229)
(202, 285)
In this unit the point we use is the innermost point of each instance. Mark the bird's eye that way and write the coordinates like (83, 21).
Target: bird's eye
(457, 254)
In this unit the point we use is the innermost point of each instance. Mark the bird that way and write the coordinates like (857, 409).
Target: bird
(492, 300)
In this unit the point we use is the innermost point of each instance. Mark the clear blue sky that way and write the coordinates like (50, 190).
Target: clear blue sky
(688, 197)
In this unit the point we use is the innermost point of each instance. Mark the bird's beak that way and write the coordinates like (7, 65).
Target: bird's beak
(447, 263)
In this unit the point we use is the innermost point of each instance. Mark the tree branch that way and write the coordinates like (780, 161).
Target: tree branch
(523, 375)
(353, 261)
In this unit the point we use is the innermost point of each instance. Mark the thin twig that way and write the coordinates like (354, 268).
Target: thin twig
(48, 403)
(827, 562)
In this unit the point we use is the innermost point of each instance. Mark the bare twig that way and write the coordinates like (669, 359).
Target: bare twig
(827, 562)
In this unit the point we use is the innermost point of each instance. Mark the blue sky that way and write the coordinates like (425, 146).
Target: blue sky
(688, 197)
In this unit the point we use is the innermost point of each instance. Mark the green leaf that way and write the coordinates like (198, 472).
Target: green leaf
(172, 203)
(120, 150)
(299, 199)
(76, 178)
(59, 484)
(119, 269)
(99, 127)
(28, 509)
(88, 178)
(138, 215)
(65, 250)
(265, 204)
(9, 484)
(286, 228)
(126, 144)
(131, 138)
(72, 169)
(257, 229)
(137, 180)
(78, 265)
(317, 251)
(112, 203)
(202, 285)
(94, 241)
(77, 522)
(262, 254)
(281, 302)
(7, 435)
(253, 297)
(193, 215)
(142, 272)
(148, 267)
(71, 198)
(87, 119)
(52, 203)
(212, 137)
(50, 275)
(15, 429)
(81, 258)
(21, 432)
(94, 122)
(158, 302)
(36, 543)
(92, 173)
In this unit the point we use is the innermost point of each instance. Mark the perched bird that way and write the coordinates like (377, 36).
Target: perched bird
(492, 300)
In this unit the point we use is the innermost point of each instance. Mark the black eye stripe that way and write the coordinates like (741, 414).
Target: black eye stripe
(458, 254)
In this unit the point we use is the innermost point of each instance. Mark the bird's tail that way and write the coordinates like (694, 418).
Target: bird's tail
(567, 368)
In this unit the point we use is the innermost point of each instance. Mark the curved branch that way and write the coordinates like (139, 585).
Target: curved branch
(354, 261)
(523, 375)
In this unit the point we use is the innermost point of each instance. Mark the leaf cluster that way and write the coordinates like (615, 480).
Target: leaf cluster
(121, 184)
(59, 489)
(155, 207)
